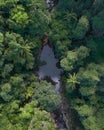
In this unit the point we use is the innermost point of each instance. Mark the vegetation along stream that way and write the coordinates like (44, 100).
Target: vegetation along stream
(51, 73)
(51, 64)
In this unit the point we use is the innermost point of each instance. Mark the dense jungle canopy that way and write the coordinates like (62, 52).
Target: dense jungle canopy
(76, 30)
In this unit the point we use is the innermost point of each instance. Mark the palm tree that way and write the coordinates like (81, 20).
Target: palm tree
(73, 81)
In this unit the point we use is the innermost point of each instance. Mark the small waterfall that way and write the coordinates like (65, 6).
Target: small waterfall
(50, 3)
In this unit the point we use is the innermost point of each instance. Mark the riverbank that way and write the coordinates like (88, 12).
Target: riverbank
(51, 72)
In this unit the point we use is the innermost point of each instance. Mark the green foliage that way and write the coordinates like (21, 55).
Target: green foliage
(19, 17)
(22, 24)
(64, 5)
(5, 92)
(60, 33)
(1, 48)
(81, 28)
(6, 70)
(39, 18)
(41, 120)
(1, 38)
(74, 58)
(18, 51)
(88, 100)
(97, 6)
(76, 29)
(6, 3)
(98, 24)
(33, 118)
(46, 96)
(83, 60)
(2, 23)
(71, 83)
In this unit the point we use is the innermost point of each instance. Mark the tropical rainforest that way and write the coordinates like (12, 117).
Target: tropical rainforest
(76, 30)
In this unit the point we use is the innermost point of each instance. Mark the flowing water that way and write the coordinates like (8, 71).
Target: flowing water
(51, 4)
(52, 73)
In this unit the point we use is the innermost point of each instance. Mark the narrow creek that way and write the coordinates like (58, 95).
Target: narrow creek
(52, 73)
